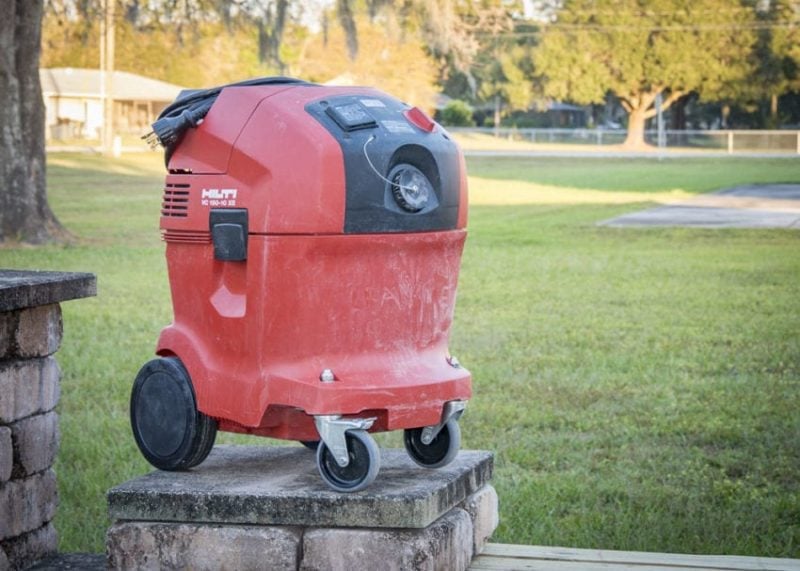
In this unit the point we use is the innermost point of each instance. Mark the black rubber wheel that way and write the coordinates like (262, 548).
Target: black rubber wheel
(365, 462)
(442, 449)
(310, 444)
(169, 430)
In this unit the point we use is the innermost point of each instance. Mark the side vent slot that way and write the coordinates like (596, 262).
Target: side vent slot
(186, 236)
(176, 200)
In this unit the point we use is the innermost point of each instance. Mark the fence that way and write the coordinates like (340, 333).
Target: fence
(719, 141)
(729, 141)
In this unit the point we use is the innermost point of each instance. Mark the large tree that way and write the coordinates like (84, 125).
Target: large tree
(640, 49)
(24, 213)
(779, 52)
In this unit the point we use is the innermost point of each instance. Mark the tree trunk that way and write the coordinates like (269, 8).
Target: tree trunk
(678, 116)
(725, 112)
(270, 35)
(346, 18)
(636, 121)
(24, 213)
(773, 110)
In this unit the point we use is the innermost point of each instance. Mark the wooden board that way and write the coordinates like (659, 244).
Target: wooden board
(497, 556)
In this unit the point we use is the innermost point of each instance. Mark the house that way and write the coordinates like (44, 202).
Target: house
(73, 99)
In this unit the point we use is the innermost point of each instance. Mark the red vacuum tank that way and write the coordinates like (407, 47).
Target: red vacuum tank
(313, 241)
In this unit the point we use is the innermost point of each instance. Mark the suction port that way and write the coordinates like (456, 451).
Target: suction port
(411, 189)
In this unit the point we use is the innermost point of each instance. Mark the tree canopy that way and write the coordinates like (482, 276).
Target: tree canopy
(410, 47)
(640, 49)
(777, 55)
(482, 51)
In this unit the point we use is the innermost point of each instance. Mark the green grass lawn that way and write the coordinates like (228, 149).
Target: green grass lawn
(640, 387)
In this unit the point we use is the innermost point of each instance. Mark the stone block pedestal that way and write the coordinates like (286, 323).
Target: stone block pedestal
(250, 507)
(30, 332)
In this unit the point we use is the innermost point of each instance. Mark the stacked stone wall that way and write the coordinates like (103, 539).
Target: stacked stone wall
(29, 436)
(253, 507)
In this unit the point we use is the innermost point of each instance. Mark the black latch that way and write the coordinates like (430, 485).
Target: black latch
(229, 233)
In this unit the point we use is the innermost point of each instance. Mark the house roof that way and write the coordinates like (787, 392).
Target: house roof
(76, 82)
(559, 106)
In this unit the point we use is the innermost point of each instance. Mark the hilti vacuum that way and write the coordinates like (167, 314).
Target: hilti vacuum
(313, 240)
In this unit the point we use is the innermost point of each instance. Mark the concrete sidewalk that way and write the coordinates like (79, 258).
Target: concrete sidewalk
(616, 153)
(752, 206)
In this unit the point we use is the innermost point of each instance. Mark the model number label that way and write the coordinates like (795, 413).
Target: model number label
(218, 196)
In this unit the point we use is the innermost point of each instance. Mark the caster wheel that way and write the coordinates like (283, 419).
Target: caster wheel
(365, 461)
(442, 449)
(169, 430)
(310, 444)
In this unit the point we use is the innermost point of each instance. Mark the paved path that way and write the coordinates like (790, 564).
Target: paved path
(753, 206)
(603, 153)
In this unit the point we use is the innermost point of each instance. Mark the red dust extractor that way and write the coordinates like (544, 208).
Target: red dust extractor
(313, 239)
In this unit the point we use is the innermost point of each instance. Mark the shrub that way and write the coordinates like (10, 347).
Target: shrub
(457, 113)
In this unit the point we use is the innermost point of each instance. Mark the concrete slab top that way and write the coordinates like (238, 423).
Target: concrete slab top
(25, 288)
(749, 206)
(281, 486)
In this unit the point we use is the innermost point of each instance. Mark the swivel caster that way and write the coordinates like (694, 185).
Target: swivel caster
(439, 451)
(363, 463)
(436, 446)
(348, 459)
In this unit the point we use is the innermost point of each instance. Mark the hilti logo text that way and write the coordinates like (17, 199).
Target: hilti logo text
(219, 193)
(218, 197)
